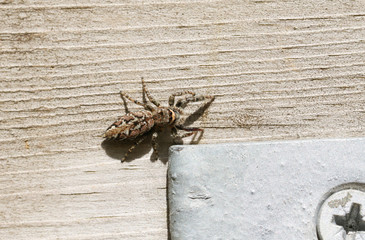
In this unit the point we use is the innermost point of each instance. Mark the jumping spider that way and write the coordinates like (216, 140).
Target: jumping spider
(136, 124)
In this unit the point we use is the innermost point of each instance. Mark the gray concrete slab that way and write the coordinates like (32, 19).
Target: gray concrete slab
(257, 190)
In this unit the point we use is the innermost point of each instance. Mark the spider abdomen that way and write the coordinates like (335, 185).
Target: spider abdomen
(130, 126)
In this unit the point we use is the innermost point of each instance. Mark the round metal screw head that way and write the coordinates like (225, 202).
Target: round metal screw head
(341, 215)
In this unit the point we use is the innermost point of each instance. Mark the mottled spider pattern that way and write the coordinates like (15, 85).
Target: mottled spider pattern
(135, 125)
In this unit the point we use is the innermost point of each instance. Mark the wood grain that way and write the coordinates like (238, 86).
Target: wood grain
(278, 69)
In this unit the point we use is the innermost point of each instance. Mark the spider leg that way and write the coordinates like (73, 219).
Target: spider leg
(183, 102)
(154, 143)
(146, 106)
(172, 97)
(152, 100)
(133, 147)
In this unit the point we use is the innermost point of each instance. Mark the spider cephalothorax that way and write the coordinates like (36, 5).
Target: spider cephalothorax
(165, 116)
(136, 124)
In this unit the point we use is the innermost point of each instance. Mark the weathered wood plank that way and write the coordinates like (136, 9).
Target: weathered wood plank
(279, 69)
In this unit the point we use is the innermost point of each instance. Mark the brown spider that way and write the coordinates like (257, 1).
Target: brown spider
(137, 124)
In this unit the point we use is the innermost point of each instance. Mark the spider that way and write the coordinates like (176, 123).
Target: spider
(137, 124)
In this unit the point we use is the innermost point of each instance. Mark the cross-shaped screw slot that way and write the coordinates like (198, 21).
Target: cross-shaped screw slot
(352, 221)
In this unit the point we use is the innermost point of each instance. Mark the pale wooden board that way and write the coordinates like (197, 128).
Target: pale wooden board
(279, 69)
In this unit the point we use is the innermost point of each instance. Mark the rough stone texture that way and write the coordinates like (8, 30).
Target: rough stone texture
(257, 191)
(279, 69)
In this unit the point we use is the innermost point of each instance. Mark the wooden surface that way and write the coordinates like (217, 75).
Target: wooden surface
(280, 70)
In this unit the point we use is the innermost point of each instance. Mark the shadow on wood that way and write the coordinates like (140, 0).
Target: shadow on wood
(197, 113)
(117, 149)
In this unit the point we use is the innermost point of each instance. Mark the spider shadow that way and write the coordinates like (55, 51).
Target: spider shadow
(165, 141)
(117, 149)
(192, 118)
